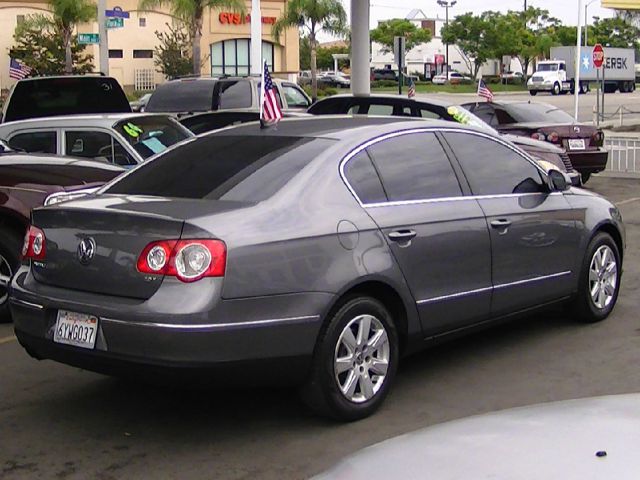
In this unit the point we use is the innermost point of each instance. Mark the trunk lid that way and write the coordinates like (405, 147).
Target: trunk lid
(116, 228)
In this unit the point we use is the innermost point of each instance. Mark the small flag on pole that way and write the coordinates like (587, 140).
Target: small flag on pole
(271, 112)
(484, 91)
(17, 69)
(412, 88)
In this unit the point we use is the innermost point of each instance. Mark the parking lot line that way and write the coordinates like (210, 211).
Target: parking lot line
(628, 200)
(7, 339)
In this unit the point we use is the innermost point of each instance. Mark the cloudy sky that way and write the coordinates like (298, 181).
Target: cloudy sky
(566, 10)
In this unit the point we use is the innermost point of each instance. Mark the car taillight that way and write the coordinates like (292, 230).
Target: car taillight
(553, 137)
(35, 244)
(188, 260)
(538, 136)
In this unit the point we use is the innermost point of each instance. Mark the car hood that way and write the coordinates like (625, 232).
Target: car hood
(573, 440)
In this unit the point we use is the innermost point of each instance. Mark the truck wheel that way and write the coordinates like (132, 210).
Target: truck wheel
(533, 93)
(583, 88)
(556, 89)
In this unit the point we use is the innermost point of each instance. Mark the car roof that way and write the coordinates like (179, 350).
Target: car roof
(54, 77)
(108, 118)
(19, 158)
(428, 100)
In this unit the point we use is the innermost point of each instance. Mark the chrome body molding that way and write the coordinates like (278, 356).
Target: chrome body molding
(495, 287)
(24, 303)
(454, 199)
(213, 326)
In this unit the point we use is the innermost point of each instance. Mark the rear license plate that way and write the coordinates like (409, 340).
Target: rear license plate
(576, 144)
(77, 329)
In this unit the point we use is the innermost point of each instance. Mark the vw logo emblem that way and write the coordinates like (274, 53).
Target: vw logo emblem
(86, 250)
(576, 129)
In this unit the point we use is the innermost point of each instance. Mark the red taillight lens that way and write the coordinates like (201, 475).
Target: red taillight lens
(188, 260)
(538, 136)
(553, 137)
(35, 244)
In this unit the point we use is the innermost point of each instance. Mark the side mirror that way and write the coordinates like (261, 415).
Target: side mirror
(558, 181)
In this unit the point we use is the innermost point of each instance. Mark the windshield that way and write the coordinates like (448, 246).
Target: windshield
(537, 112)
(151, 135)
(465, 117)
(547, 67)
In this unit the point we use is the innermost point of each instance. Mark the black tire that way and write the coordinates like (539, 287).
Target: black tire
(585, 177)
(10, 246)
(533, 93)
(556, 89)
(322, 391)
(583, 307)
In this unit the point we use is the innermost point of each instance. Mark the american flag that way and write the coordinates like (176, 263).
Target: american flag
(271, 112)
(483, 91)
(412, 88)
(17, 69)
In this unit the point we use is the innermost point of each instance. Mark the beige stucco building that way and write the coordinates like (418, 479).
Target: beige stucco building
(225, 41)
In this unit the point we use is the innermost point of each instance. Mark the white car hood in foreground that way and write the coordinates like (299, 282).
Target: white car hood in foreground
(559, 440)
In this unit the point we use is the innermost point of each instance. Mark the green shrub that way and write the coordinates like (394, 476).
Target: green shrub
(383, 83)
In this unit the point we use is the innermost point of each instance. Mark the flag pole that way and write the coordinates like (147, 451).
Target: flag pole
(262, 124)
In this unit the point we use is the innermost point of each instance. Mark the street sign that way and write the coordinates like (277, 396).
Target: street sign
(117, 12)
(398, 50)
(88, 38)
(598, 55)
(115, 22)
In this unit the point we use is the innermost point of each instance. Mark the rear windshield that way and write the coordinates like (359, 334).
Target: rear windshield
(538, 112)
(151, 135)
(234, 94)
(182, 96)
(45, 97)
(223, 167)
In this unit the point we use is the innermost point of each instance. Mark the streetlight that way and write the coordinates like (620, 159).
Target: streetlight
(586, 25)
(446, 4)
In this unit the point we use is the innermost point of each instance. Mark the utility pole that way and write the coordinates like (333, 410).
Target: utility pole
(586, 22)
(104, 39)
(446, 4)
(256, 38)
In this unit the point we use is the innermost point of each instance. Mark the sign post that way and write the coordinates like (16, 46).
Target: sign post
(598, 60)
(103, 48)
(398, 52)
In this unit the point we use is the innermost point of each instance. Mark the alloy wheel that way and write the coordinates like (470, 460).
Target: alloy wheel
(361, 359)
(603, 277)
(5, 278)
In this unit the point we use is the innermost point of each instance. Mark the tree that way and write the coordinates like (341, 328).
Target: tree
(67, 14)
(469, 34)
(191, 12)
(325, 57)
(38, 43)
(399, 27)
(313, 17)
(173, 54)
(305, 53)
(614, 32)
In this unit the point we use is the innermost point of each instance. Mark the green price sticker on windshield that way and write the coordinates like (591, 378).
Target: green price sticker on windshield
(133, 130)
(458, 115)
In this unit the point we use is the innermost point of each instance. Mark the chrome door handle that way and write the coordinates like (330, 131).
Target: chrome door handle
(402, 235)
(501, 223)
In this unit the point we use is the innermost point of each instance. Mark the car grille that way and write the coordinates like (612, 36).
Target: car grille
(537, 79)
(567, 162)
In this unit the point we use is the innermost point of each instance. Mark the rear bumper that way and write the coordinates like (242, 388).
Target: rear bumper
(589, 161)
(266, 340)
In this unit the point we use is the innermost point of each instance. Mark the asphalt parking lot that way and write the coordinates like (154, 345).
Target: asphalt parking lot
(63, 423)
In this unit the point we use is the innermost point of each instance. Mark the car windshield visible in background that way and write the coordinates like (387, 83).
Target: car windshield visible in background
(537, 112)
(546, 67)
(465, 117)
(189, 95)
(151, 135)
(47, 97)
(223, 167)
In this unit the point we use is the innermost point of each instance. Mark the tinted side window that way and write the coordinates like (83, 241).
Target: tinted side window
(364, 180)
(414, 167)
(492, 168)
(182, 96)
(234, 94)
(35, 142)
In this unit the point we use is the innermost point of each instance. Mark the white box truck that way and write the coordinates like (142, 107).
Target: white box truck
(558, 75)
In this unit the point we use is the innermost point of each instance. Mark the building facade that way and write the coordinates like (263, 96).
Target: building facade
(225, 41)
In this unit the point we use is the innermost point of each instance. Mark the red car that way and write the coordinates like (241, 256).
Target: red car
(541, 121)
(27, 181)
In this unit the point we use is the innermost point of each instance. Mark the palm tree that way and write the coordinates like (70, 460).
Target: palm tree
(191, 12)
(66, 15)
(313, 16)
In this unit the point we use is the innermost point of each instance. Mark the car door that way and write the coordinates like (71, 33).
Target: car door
(534, 235)
(438, 237)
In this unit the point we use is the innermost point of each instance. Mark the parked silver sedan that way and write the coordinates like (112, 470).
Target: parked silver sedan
(123, 139)
(318, 252)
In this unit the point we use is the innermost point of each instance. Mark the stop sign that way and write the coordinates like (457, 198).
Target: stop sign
(598, 55)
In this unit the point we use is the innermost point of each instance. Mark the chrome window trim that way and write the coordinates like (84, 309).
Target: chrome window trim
(213, 326)
(413, 131)
(24, 303)
(453, 199)
(495, 287)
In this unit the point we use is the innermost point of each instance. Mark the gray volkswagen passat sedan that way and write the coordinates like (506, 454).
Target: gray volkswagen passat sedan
(318, 252)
